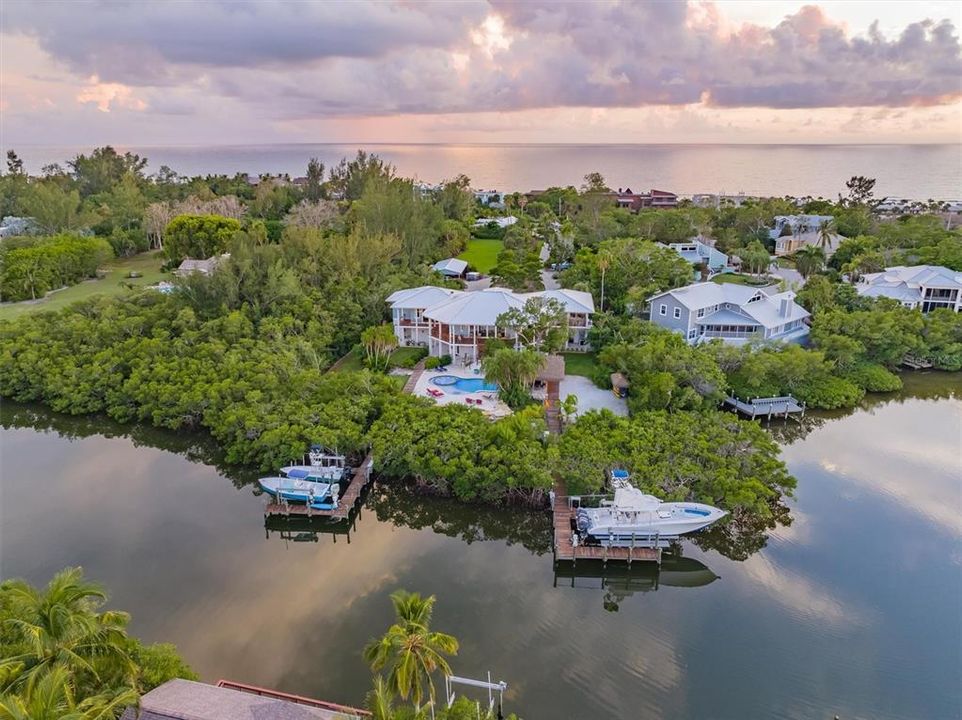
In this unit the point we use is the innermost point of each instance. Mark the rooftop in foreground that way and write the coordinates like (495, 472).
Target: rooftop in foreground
(188, 700)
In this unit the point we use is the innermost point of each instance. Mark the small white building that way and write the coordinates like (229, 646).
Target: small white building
(490, 198)
(923, 287)
(502, 222)
(458, 323)
(204, 267)
(452, 267)
(730, 312)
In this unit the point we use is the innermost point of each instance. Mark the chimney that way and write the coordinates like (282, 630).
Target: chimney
(784, 305)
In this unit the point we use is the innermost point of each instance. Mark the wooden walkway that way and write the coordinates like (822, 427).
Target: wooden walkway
(412, 381)
(563, 520)
(362, 476)
(767, 407)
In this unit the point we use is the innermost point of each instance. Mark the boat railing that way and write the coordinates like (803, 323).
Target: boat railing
(590, 501)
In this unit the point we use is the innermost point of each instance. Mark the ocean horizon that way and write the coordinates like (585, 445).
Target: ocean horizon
(916, 171)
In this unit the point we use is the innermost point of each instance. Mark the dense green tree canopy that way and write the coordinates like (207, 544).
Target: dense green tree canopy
(198, 236)
(709, 457)
(634, 270)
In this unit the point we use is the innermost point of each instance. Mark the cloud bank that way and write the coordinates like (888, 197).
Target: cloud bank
(293, 62)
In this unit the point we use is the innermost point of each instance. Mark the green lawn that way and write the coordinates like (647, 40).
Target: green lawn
(353, 363)
(482, 255)
(583, 364)
(739, 279)
(147, 264)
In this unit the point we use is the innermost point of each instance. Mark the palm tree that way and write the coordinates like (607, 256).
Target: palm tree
(380, 700)
(59, 627)
(826, 235)
(411, 649)
(568, 407)
(52, 698)
(809, 260)
(604, 262)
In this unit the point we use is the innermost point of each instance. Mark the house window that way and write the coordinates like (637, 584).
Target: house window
(701, 312)
(691, 334)
(677, 313)
(663, 310)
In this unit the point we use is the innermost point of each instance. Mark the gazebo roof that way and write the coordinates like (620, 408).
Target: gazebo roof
(553, 369)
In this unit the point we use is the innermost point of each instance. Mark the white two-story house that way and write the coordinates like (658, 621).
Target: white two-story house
(458, 323)
(926, 287)
(730, 312)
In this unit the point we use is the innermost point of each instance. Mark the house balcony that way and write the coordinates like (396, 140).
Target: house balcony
(734, 332)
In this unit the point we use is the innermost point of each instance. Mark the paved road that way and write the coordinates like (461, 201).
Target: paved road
(792, 276)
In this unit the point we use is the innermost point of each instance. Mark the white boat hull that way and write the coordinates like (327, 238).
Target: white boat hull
(317, 494)
(613, 526)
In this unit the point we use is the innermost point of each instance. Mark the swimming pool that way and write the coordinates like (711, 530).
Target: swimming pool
(463, 384)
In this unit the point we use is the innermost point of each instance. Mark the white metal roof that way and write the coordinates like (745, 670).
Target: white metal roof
(574, 301)
(420, 297)
(917, 276)
(475, 308)
(907, 283)
(452, 266)
(481, 307)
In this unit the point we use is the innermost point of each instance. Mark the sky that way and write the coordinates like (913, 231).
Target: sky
(479, 71)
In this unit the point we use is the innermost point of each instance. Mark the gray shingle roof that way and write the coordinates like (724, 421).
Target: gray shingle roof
(188, 700)
(766, 310)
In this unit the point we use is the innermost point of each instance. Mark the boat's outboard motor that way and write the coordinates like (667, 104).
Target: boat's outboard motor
(582, 520)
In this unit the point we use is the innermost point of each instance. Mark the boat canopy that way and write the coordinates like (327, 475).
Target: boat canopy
(631, 499)
(298, 474)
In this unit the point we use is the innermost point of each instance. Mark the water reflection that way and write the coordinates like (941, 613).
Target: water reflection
(301, 529)
(197, 447)
(403, 507)
(852, 609)
(917, 386)
(620, 581)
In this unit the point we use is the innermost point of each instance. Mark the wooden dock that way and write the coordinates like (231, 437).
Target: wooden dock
(362, 476)
(784, 406)
(914, 362)
(563, 520)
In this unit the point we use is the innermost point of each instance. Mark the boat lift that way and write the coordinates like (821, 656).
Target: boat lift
(492, 687)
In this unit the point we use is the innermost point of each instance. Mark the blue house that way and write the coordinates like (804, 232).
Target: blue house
(733, 313)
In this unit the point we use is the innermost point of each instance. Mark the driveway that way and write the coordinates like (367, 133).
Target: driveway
(482, 284)
(792, 277)
(547, 277)
(590, 396)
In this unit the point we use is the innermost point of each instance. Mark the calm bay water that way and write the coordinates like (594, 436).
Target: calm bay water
(853, 609)
(913, 171)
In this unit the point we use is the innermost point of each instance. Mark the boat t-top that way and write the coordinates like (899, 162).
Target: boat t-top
(316, 483)
(318, 466)
(636, 518)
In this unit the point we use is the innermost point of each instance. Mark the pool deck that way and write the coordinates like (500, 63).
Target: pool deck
(490, 405)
